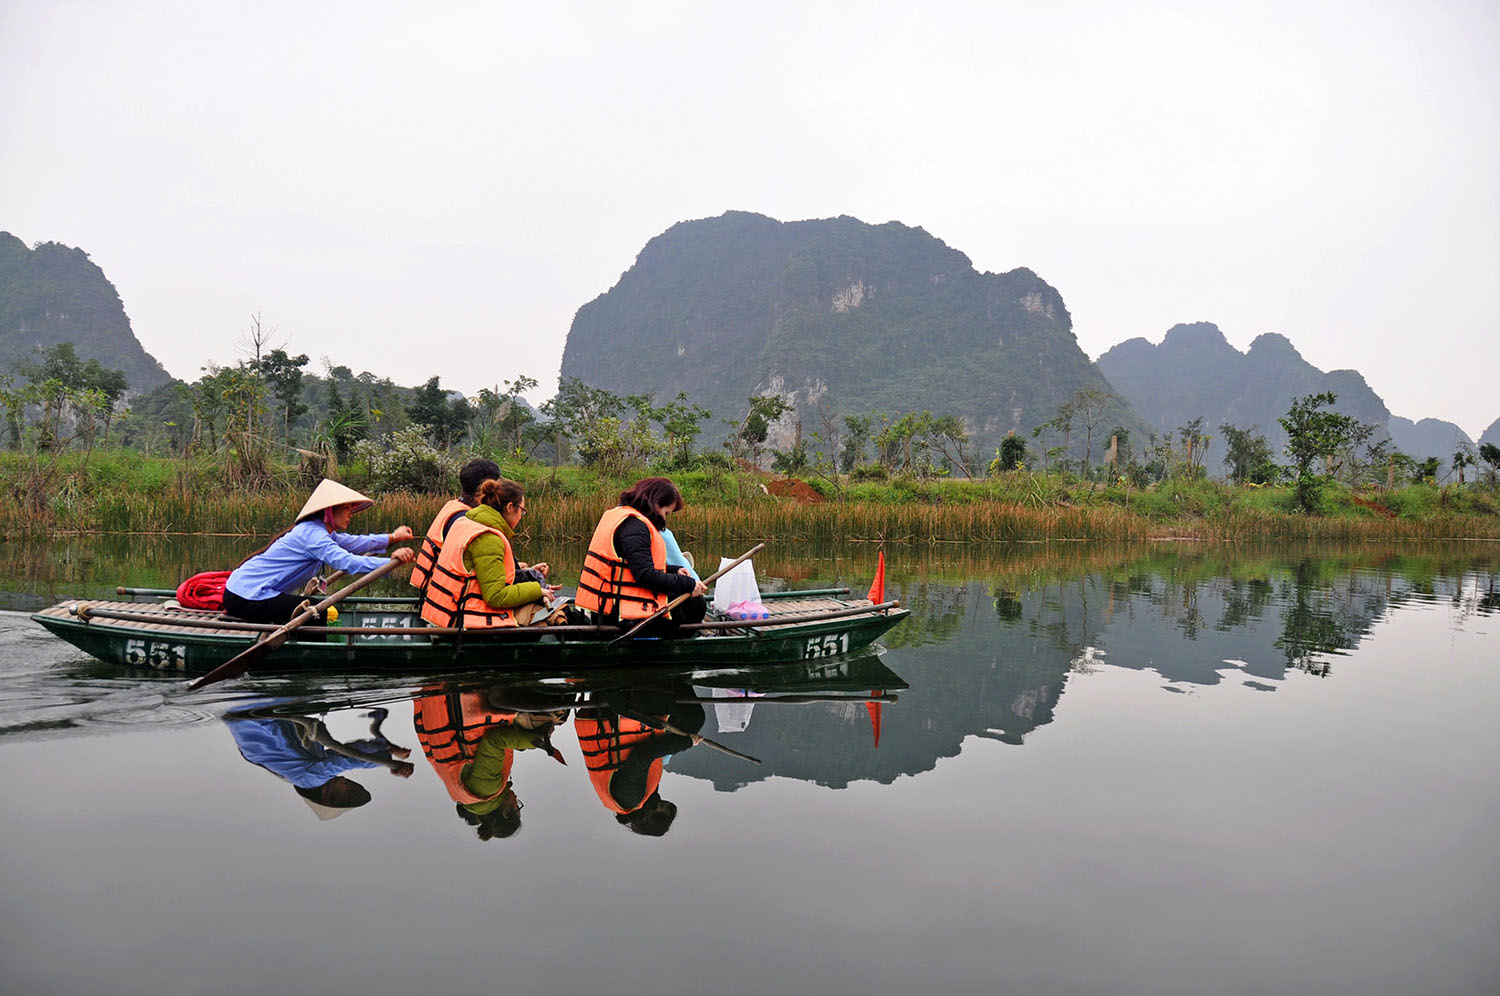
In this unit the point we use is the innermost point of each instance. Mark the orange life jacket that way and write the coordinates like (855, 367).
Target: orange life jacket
(449, 725)
(606, 741)
(607, 584)
(453, 597)
(427, 553)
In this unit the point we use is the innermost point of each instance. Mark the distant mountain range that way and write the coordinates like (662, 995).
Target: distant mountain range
(835, 316)
(1491, 435)
(1196, 372)
(54, 294)
(1429, 437)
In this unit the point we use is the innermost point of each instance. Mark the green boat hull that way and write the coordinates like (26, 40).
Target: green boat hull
(165, 647)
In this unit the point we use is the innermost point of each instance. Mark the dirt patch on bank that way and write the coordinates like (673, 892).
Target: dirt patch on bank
(1374, 507)
(798, 491)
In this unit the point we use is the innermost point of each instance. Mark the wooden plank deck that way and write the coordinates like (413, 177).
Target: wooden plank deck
(164, 627)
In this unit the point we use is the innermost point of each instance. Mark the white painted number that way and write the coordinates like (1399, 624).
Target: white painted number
(826, 646)
(162, 656)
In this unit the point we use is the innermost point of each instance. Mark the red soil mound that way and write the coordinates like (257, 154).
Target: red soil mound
(798, 491)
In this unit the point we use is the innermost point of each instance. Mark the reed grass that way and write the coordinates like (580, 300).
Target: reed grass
(132, 494)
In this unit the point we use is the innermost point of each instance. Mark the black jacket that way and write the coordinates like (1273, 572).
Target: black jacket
(633, 544)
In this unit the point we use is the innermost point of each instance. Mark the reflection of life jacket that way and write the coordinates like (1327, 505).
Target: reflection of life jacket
(450, 725)
(606, 741)
(607, 583)
(453, 597)
(427, 553)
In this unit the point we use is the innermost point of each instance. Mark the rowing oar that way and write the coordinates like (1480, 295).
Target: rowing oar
(686, 595)
(246, 659)
(662, 724)
(758, 699)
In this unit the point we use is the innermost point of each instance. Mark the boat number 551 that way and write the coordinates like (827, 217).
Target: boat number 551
(149, 653)
(826, 646)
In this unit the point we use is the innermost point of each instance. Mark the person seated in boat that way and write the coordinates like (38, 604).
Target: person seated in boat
(476, 583)
(267, 585)
(626, 576)
(471, 740)
(624, 748)
(301, 752)
(470, 477)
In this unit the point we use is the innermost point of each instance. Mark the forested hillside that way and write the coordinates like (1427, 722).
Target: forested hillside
(55, 294)
(835, 316)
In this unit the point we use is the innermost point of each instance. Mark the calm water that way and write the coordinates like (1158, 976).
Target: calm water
(1076, 770)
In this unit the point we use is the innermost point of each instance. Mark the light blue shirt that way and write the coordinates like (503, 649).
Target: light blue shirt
(674, 554)
(274, 745)
(294, 558)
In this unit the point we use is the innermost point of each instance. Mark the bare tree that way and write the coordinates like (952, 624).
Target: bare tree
(257, 342)
(1089, 404)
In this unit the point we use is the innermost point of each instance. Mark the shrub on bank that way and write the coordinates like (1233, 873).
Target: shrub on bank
(406, 461)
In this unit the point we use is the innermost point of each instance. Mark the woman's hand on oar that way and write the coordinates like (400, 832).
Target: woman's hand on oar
(702, 585)
(246, 659)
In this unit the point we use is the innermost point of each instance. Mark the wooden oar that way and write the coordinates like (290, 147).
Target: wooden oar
(791, 699)
(246, 659)
(686, 595)
(662, 724)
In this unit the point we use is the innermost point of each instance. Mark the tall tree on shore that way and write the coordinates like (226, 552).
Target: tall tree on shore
(1249, 455)
(1089, 404)
(1312, 435)
(1463, 457)
(283, 374)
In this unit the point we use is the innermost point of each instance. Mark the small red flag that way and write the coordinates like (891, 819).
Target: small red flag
(877, 588)
(874, 709)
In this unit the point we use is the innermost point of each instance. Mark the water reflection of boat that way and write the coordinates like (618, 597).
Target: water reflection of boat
(474, 729)
(856, 677)
(388, 635)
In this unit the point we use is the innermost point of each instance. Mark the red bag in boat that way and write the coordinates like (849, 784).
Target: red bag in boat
(203, 591)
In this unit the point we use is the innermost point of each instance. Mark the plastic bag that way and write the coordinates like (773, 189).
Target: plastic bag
(736, 586)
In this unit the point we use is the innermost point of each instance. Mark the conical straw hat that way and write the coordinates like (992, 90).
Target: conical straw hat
(330, 493)
(326, 813)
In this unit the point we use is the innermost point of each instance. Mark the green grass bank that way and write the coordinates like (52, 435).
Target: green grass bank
(122, 491)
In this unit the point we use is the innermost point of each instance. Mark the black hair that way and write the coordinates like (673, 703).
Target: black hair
(650, 493)
(475, 473)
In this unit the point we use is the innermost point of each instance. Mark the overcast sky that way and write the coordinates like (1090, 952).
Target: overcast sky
(436, 188)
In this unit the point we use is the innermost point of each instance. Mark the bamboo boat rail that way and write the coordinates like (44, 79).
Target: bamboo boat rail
(400, 599)
(85, 611)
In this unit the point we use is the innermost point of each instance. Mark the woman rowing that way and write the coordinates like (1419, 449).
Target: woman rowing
(267, 586)
(626, 577)
(476, 583)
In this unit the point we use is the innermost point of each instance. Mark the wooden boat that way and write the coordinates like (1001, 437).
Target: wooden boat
(376, 633)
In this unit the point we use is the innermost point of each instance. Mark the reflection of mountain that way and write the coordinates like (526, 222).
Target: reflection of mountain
(969, 681)
(1197, 629)
(992, 661)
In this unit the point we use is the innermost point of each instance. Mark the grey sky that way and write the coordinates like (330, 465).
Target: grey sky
(419, 189)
